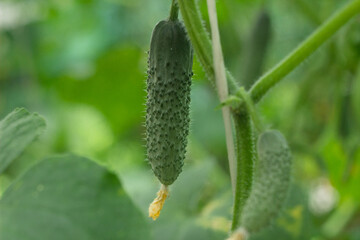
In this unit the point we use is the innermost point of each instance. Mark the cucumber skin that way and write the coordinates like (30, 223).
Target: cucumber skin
(271, 181)
(168, 99)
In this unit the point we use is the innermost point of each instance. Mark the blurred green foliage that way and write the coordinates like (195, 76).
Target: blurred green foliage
(81, 64)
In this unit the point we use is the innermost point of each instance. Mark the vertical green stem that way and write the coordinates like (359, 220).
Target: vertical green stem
(245, 161)
(174, 11)
(222, 87)
(200, 40)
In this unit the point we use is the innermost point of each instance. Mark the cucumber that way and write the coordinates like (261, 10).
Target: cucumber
(271, 182)
(168, 99)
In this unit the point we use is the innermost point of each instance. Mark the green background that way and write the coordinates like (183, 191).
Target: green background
(81, 64)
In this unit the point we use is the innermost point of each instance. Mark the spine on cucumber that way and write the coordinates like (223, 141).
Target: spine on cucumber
(168, 99)
(271, 182)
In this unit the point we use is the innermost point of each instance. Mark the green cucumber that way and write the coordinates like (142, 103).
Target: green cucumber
(168, 99)
(271, 182)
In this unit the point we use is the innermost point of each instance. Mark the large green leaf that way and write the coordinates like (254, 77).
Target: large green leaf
(69, 198)
(17, 131)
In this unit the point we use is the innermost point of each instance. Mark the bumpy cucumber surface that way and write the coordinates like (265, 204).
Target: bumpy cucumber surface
(271, 181)
(168, 99)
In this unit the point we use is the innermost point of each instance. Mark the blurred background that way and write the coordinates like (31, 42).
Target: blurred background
(81, 64)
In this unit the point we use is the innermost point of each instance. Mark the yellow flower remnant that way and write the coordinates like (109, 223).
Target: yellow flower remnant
(158, 203)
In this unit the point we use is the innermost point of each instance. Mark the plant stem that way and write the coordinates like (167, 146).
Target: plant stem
(305, 49)
(200, 40)
(174, 11)
(245, 161)
(245, 143)
(222, 87)
(244, 95)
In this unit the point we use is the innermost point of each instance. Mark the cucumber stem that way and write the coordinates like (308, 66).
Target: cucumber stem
(174, 11)
(243, 94)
